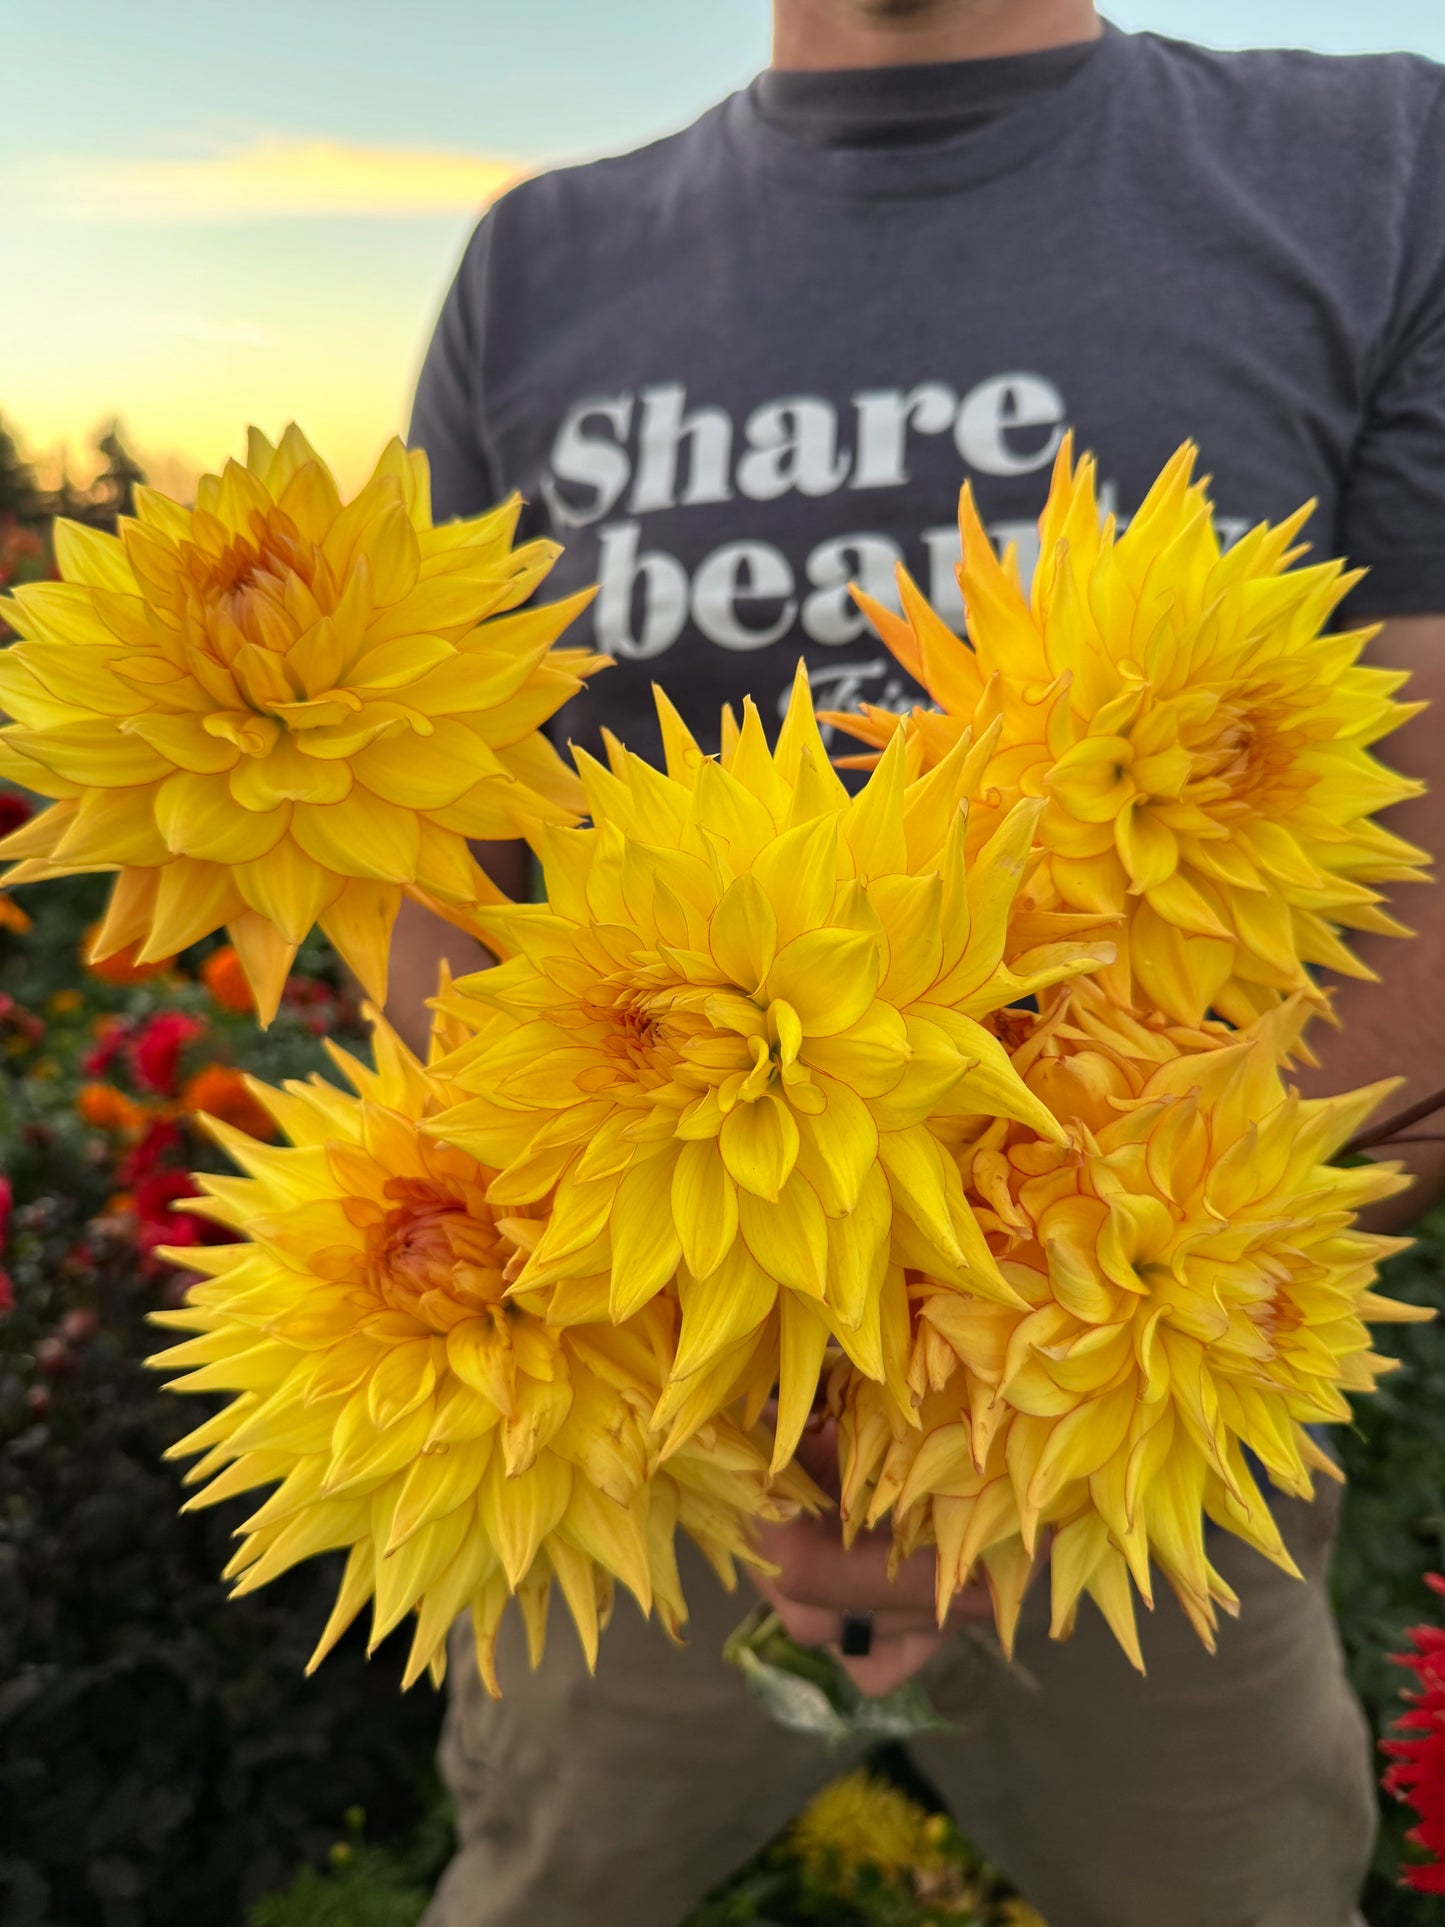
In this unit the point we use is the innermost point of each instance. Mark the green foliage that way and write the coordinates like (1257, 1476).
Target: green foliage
(162, 1761)
(365, 1885)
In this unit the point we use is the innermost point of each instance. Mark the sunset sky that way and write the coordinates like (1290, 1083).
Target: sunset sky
(212, 215)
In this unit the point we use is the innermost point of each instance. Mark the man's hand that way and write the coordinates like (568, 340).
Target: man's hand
(818, 1580)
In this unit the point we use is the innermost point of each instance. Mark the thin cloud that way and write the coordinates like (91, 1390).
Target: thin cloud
(211, 329)
(278, 176)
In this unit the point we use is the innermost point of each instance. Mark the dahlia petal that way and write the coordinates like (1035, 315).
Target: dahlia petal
(266, 957)
(425, 774)
(1148, 848)
(185, 742)
(803, 1342)
(360, 836)
(84, 555)
(92, 752)
(858, 1250)
(128, 914)
(613, 1535)
(704, 1205)
(78, 679)
(787, 1239)
(719, 1311)
(289, 888)
(743, 934)
(519, 1513)
(389, 665)
(646, 1247)
(198, 817)
(32, 775)
(286, 774)
(1177, 901)
(759, 1145)
(828, 976)
(191, 900)
(838, 1146)
(113, 826)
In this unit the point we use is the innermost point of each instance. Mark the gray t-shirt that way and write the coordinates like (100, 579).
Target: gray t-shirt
(741, 367)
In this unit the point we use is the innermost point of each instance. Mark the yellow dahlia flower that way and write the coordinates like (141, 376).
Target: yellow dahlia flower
(1196, 1291)
(407, 1406)
(276, 710)
(861, 1822)
(1203, 747)
(728, 1042)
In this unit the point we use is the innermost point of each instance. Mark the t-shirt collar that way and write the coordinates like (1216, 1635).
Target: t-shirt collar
(880, 173)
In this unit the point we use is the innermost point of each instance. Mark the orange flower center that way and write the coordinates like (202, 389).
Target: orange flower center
(247, 580)
(436, 1255)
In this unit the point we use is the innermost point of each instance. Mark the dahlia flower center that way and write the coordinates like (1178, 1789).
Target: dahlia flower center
(254, 611)
(434, 1254)
(1257, 757)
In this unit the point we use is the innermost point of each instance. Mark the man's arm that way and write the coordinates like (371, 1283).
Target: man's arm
(1396, 1027)
(421, 940)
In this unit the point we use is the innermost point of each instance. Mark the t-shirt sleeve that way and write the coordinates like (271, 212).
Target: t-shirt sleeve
(1393, 509)
(447, 418)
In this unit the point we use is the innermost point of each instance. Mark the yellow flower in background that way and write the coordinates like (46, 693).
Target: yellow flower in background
(275, 710)
(733, 1041)
(1204, 750)
(1196, 1290)
(862, 1821)
(408, 1408)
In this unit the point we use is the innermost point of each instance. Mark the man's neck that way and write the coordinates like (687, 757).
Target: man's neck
(898, 33)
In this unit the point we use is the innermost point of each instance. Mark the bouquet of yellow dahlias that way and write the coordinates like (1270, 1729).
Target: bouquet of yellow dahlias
(957, 1104)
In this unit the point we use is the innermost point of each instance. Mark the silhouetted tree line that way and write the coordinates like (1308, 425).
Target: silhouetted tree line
(110, 493)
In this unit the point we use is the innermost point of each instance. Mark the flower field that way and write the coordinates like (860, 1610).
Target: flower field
(161, 1758)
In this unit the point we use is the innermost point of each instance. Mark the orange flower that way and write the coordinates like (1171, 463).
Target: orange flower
(109, 1109)
(223, 976)
(120, 967)
(224, 1093)
(12, 917)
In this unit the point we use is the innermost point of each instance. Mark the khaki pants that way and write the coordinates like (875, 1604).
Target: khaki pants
(1233, 1791)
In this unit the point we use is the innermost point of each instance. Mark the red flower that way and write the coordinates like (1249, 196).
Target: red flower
(15, 809)
(155, 1055)
(7, 1198)
(1418, 1775)
(156, 1223)
(144, 1160)
(108, 1040)
(7, 1293)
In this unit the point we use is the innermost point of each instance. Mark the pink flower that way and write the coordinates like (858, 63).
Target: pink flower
(155, 1055)
(7, 1198)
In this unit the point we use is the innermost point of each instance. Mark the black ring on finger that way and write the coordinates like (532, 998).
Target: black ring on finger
(856, 1639)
